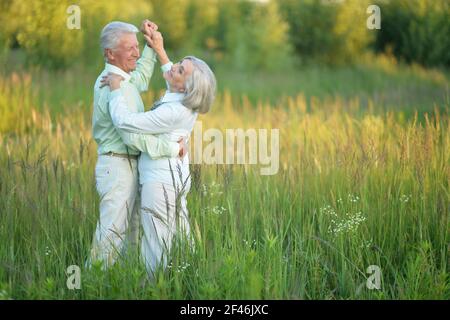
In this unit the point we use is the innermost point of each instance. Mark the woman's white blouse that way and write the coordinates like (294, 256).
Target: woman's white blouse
(170, 120)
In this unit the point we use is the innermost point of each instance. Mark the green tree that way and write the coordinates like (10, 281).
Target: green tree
(268, 34)
(332, 32)
(201, 21)
(416, 30)
(170, 15)
(40, 28)
(254, 35)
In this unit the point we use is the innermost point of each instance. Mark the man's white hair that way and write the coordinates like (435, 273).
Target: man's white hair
(112, 32)
(200, 86)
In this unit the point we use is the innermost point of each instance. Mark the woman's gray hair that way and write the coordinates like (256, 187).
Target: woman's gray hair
(112, 32)
(200, 86)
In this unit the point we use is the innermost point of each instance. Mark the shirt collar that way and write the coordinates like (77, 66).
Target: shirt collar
(172, 97)
(117, 70)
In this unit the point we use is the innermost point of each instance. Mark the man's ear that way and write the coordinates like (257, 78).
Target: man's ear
(109, 54)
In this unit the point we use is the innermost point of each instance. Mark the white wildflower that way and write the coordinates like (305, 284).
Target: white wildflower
(219, 210)
(179, 268)
(405, 198)
(353, 198)
(366, 244)
(215, 210)
(212, 190)
(328, 210)
(348, 225)
(250, 244)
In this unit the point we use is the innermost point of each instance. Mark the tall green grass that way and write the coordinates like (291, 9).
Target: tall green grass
(357, 186)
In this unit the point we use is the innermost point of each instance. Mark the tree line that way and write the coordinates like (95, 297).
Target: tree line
(243, 34)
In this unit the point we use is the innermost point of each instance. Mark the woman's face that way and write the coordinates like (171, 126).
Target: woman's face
(177, 75)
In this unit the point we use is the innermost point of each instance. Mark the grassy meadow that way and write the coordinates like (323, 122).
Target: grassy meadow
(363, 180)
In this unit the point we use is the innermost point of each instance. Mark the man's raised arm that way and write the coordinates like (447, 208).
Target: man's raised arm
(146, 63)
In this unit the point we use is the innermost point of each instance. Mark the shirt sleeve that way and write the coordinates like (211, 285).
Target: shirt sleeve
(166, 67)
(144, 69)
(159, 120)
(155, 147)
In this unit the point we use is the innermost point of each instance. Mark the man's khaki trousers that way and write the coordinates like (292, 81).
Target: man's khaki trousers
(118, 226)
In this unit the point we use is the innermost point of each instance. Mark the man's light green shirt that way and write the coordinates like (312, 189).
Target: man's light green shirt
(110, 139)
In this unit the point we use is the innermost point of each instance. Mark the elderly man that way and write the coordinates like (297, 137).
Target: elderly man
(191, 87)
(116, 169)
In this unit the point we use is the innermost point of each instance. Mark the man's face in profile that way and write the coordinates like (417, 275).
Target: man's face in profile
(126, 53)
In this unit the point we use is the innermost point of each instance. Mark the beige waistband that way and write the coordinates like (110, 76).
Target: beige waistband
(120, 155)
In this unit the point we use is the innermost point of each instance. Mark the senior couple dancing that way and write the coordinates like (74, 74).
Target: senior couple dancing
(142, 172)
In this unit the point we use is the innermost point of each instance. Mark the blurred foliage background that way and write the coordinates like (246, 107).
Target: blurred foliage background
(263, 50)
(247, 35)
(416, 31)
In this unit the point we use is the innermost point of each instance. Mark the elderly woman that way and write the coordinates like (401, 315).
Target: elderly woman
(165, 182)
